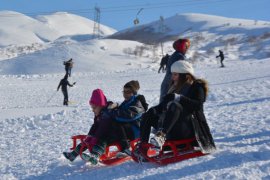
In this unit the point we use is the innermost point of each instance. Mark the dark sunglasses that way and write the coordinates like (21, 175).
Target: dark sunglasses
(127, 92)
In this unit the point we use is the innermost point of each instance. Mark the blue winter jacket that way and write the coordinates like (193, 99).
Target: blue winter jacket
(166, 81)
(130, 112)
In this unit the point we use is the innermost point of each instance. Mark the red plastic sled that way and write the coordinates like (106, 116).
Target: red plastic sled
(171, 152)
(109, 157)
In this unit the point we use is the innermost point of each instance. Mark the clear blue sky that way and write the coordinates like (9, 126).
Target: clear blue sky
(119, 14)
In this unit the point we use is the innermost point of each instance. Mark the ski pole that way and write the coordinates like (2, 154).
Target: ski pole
(52, 96)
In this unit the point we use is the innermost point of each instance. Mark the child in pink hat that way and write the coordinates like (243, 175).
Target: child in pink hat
(99, 131)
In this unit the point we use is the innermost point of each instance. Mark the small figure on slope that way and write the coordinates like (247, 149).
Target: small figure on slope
(221, 55)
(68, 66)
(63, 84)
(163, 63)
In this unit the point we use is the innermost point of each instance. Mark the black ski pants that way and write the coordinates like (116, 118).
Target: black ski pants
(172, 123)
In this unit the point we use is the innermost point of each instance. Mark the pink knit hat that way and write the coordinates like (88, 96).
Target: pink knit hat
(98, 98)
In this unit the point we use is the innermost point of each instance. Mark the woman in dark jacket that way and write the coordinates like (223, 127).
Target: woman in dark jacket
(180, 115)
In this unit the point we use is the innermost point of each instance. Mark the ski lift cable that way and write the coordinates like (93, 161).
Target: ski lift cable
(114, 9)
(139, 11)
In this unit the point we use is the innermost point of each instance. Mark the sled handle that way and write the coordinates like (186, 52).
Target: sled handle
(75, 138)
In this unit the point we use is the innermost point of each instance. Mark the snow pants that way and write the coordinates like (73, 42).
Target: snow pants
(172, 122)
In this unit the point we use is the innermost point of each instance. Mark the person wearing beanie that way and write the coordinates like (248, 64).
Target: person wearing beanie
(180, 46)
(99, 133)
(183, 112)
(112, 123)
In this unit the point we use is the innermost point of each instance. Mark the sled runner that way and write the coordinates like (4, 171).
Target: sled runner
(110, 156)
(171, 152)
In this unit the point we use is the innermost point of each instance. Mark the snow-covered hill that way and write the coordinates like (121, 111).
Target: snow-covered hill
(19, 29)
(184, 24)
(239, 38)
(35, 128)
(60, 36)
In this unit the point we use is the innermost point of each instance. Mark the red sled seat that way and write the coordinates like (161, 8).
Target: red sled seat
(110, 155)
(172, 151)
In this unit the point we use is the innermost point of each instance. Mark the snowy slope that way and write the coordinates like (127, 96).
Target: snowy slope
(181, 24)
(88, 55)
(17, 28)
(239, 39)
(35, 130)
(208, 33)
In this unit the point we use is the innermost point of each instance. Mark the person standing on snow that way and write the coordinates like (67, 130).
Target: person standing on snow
(181, 46)
(163, 63)
(221, 55)
(68, 66)
(63, 84)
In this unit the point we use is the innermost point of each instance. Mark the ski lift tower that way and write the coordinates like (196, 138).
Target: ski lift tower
(161, 30)
(96, 28)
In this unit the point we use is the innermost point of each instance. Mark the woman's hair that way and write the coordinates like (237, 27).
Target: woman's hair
(189, 78)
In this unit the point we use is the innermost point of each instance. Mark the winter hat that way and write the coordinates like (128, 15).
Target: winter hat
(98, 98)
(133, 85)
(181, 45)
(182, 67)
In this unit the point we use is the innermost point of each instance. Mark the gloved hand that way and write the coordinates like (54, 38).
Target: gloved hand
(172, 97)
(168, 98)
(112, 105)
(90, 142)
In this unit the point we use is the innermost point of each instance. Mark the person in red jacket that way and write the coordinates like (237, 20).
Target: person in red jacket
(181, 47)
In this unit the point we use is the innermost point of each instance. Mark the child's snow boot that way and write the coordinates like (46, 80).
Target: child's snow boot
(92, 158)
(73, 154)
(70, 156)
(95, 153)
(159, 139)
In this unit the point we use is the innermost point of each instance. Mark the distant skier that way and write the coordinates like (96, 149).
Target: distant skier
(63, 84)
(68, 66)
(181, 46)
(163, 63)
(221, 55)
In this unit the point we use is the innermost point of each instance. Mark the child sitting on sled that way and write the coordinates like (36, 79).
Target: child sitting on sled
(96, 139)
(180, 115)
(106, 129)
(126, 117)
